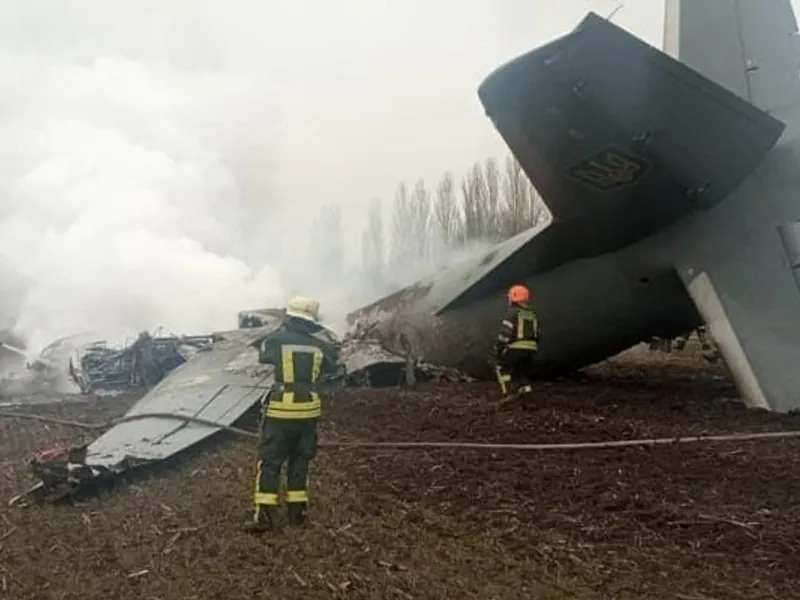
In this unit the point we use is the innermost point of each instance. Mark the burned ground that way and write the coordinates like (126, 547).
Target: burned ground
(692, 522)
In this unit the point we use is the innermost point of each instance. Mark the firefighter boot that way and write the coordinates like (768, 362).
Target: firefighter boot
(525, 393)
(264, 520)
(296, 513)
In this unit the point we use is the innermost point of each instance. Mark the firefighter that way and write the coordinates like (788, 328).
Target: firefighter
(303, 353)
(517, 343)
(146, 366)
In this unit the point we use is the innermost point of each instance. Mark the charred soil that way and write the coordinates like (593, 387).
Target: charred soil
(690, 522)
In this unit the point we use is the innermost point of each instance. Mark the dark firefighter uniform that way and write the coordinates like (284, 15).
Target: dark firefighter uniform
(517, 344)
(303, 352)
(146, 367)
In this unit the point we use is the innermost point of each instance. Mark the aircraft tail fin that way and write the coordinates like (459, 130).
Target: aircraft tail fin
(750, 48)
(618, 135)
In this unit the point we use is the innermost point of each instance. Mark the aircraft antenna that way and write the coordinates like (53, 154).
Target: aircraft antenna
(615, 11)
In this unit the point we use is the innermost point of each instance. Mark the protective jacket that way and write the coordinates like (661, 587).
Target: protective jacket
(303, 353)
(519, 330)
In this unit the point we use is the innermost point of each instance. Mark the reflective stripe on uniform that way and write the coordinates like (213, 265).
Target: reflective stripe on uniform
(262, 498)
(502, 379)
(266, 499)
(296, 496)
(284, 406)
(287, 408)
(316, 366)
(526, 316)
(523, 345)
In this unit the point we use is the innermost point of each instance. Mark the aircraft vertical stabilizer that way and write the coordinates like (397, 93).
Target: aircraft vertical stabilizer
(740, 261)
(749, 47)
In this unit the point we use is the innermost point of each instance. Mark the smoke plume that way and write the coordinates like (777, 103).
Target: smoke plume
(129, 179)
(139, 144)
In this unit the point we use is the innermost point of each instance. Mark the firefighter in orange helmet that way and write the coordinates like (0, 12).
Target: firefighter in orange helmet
(517, 343)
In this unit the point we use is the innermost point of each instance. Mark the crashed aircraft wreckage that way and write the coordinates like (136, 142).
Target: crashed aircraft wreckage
(207, 392)
(674, 201)
(96, 367)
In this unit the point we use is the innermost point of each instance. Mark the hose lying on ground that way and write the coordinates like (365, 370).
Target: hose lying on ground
(732, 437)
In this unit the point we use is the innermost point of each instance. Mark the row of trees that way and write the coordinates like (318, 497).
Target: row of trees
(489, 204)
(426, 228)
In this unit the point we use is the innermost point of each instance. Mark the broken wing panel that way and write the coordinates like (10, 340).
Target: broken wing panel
(218, 385)
(618, 135)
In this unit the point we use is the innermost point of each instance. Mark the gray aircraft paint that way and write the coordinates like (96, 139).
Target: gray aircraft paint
(704, 228)
(746, 248)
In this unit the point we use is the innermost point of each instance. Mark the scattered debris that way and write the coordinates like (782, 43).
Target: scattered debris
(430, 372)
(370, 364)
(710, 351)
(139, 573)
(43, 374)
(220, 379)
(139, 365)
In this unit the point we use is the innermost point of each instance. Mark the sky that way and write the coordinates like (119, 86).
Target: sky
(400, 81)
(160, 160)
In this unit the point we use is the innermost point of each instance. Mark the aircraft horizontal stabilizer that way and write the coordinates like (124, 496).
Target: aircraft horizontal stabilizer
(616, 134)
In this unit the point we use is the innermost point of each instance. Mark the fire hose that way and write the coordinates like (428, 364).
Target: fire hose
(732, 437)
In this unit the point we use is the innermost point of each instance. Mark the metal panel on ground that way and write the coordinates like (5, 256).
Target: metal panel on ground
(217, 385)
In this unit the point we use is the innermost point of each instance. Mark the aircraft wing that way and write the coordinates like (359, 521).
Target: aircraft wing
(621, 137)
(218, 385)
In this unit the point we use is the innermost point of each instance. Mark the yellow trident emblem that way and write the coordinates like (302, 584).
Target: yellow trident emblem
(609, 169)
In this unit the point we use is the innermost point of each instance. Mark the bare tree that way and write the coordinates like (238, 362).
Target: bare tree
(521, 207)
(469, 202)
(515, 202)
(537, 206)
(475, 198)
(403, 218)
(492, 200)
(447, 213)
(373, 251)
(421, 228)
(494, 206)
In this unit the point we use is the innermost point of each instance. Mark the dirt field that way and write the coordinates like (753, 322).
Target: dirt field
(690, 522)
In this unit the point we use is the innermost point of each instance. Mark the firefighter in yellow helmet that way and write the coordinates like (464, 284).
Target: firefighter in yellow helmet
(303, 353)
(517, 343)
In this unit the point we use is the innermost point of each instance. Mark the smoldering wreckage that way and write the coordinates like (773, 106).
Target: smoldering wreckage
(219, 380)
(653, 231)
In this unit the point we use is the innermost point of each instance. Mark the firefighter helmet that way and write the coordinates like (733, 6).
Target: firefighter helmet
(518, 294)
(303, 308)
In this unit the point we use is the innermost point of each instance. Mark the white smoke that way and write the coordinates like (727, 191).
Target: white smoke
(138, 143)
(127, 192)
